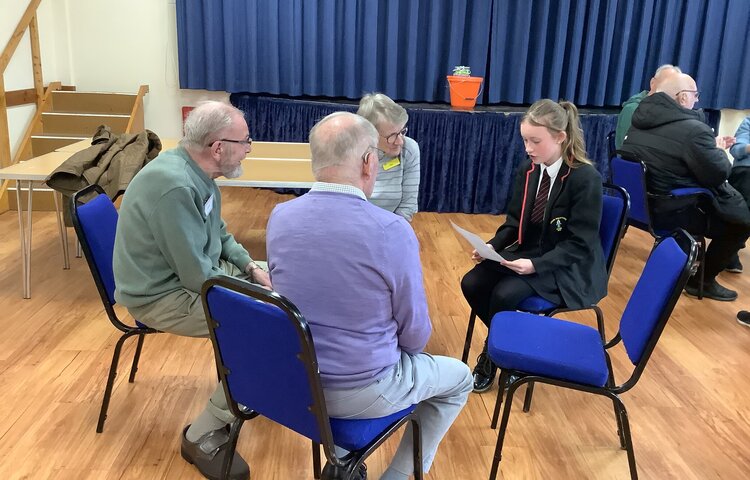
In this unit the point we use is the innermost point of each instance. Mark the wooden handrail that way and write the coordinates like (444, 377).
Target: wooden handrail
(136, 114)
(15, 98)
(15, 38)
(27, 21)
(27, 136)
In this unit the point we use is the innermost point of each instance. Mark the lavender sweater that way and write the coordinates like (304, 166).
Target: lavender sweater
(353, 270)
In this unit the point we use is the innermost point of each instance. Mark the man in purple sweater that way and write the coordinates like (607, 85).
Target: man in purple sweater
(354, 272)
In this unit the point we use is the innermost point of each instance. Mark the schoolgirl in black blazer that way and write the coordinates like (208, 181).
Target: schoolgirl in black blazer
(550, 237)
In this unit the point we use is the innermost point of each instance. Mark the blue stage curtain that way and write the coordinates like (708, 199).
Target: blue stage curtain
(468, 159)
(403, 48)
(600, 52)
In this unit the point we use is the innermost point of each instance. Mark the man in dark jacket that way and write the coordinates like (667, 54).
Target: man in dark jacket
(680, 151)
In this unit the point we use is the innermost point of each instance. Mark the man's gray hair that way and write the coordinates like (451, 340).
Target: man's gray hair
(667, 66)
(205, 121)
(334, 147)
(378, 108)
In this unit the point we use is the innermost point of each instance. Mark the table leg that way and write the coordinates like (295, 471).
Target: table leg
(25, 239)
(63, 231)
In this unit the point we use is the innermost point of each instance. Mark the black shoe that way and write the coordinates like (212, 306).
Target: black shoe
(743, 318)
(510, 380)
(332, 472)
(735, 266)
(484, 372)
(711, 290)
(208, 453)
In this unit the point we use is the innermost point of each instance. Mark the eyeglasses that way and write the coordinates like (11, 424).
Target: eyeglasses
(247, 142)
(391, 139)
(694, 92)
(378, 152)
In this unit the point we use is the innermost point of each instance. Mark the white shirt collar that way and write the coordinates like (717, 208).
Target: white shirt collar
(552, 170)
(338, 188)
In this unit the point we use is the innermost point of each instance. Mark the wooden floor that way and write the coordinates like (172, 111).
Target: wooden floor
(690, 412)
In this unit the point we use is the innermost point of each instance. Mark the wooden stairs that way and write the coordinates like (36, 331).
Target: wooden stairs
(68, 116)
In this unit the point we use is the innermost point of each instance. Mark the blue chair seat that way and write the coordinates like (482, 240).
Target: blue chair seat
(679, 192)
(549, 347)
(354, 434)
(537, 304)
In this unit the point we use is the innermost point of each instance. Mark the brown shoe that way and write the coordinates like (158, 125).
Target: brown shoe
(208, 453)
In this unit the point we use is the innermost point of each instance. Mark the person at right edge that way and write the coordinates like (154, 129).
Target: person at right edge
(550, 238)
(680, 151)
(740, 176)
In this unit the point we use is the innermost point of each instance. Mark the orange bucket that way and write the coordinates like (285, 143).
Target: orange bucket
(464, 91)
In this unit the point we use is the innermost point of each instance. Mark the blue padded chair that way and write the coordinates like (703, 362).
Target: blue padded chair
(630, 173)
(95, 222)
(611, 144)
(267, 364)
(538, 348)
(615, 207)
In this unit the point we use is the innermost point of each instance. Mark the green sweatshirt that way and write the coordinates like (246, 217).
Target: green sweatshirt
(626, 116)
(170, 234)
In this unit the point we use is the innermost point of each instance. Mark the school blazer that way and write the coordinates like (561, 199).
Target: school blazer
(569, 255)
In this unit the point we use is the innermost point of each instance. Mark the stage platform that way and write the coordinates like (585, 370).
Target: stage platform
(468, 159)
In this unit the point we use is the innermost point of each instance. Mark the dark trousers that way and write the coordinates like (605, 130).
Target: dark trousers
(740, 180)
(726, 240)
(490, 288)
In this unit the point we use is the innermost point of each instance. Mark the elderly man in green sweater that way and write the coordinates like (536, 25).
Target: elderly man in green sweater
(628, 108)
(171, 238)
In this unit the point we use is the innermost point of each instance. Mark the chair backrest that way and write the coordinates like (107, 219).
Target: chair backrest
(611, 143)
(615, 208)
(265, 356)
(630, 174)
(655, 295)
(95, 223)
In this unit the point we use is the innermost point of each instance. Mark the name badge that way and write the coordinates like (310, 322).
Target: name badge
(392, 163)
(209, 205)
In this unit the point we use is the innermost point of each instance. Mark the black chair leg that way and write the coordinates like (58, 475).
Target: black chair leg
(316, 460)
(616, 403)
(527, 398)
(136, 358)
(469, 333)
(701, 266)
(501, 434)
(111, 381)
(234, 433)
(620, 430)
(626, 435)
(416, 432)
(504, 375)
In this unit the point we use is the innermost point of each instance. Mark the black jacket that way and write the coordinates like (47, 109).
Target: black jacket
(569, 254)
(679, 150)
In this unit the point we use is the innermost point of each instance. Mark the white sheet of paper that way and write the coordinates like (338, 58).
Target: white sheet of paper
(479, 245)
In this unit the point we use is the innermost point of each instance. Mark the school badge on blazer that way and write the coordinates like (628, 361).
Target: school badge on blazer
(558, 223)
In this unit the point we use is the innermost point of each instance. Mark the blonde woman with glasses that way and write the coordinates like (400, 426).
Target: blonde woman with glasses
(397, 184)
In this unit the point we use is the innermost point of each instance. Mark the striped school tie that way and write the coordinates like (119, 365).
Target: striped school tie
(537, 215)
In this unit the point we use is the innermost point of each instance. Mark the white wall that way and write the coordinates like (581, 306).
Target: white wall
(730, 120)
(102, 46)
(117, 46)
